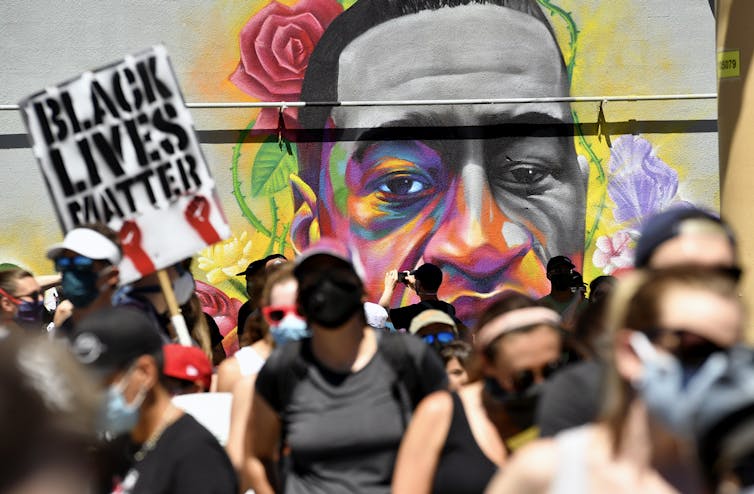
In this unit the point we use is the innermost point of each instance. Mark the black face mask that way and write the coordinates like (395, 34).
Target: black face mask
(561, 281)
(520, 407)
(330, 303)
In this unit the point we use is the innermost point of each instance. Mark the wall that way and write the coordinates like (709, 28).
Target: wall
(736, 125)
(478, 195)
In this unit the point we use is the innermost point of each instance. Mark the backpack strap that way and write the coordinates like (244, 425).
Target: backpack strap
(406, 388)
(392, 346)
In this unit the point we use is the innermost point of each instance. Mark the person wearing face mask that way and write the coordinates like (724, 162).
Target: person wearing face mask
(146, 295)
(21, 301)
(671, 330)
(151, 445)
(255, 275)
(336, 403)
(679, 236)
(475, 430)
(282, 324)
(87, 260)
(249, 358)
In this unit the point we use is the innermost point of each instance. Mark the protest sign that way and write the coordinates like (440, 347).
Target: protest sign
(118, 146)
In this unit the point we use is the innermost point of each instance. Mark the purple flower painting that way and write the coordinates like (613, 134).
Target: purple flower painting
(640, 184)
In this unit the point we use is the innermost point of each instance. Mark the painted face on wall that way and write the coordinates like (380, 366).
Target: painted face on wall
(487, 209)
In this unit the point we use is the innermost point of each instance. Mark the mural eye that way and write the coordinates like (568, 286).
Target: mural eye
(402, 185)
(528, 174)
(523, 177)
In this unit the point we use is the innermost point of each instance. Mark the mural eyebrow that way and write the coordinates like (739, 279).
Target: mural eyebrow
(415, 126)
(525, 124)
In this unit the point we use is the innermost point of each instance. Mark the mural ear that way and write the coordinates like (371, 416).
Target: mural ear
(305, 224)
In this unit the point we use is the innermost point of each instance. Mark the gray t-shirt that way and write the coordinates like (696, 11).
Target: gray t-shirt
(344, 430)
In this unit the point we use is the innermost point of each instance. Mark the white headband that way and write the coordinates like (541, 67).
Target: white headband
(516, 319)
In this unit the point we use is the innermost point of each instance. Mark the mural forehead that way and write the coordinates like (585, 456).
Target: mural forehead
(462, 41)
(487, 201)
(458, 52)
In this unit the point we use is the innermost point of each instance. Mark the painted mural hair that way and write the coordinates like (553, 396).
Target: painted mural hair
(321, 79)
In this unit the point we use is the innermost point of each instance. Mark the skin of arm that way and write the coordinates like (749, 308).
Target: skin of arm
(531, 470)
(239, 420)
(62, 312)
(422, 444)
(262, 445)
(228, 374)
(391, 279)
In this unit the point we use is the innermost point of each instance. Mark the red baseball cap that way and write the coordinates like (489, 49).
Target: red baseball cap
(188, 363)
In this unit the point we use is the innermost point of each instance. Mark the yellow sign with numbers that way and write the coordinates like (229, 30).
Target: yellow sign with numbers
(728, 64)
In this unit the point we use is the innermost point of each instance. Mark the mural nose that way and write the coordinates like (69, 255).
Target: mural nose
(477, 240)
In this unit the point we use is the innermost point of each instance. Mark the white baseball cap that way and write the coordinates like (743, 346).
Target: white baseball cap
(88, 243)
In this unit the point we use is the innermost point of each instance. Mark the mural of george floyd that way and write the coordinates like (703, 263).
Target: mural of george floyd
(488, 192)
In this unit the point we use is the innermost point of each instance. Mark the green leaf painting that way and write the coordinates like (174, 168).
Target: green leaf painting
(272, 167)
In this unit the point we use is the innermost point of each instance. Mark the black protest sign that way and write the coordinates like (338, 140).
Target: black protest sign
(117, 146)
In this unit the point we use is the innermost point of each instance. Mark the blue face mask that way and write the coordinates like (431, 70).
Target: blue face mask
(671, 392)
(290, 328)
(80, 287)
(118, 416)
(30, 312)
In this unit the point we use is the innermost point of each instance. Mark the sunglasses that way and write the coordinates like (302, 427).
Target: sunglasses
(442, 337)
(691, 349)
(275, 313)
(15, 300)
(76, 263)
(524, 379)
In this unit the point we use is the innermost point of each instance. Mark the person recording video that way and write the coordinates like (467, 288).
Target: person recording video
(425, 281)
(567, 290)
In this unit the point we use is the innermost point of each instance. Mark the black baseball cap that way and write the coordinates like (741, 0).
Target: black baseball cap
(560, 261)
(667, 225)
(110, 339)
(256, 266)
(429, 275)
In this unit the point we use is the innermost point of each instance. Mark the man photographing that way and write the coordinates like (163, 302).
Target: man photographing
(425, 281)
(566, 295)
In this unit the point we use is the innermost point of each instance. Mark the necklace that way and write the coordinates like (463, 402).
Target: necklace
(150, 443)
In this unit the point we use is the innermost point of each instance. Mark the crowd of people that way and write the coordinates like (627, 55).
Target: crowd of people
(644, 386)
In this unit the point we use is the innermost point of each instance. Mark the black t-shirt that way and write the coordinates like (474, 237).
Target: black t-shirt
(401, 317)
(570, 398)
(344, 430)
(187, 459)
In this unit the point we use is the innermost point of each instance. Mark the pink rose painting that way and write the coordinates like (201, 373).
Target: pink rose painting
(276, 44)
(224, 310)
